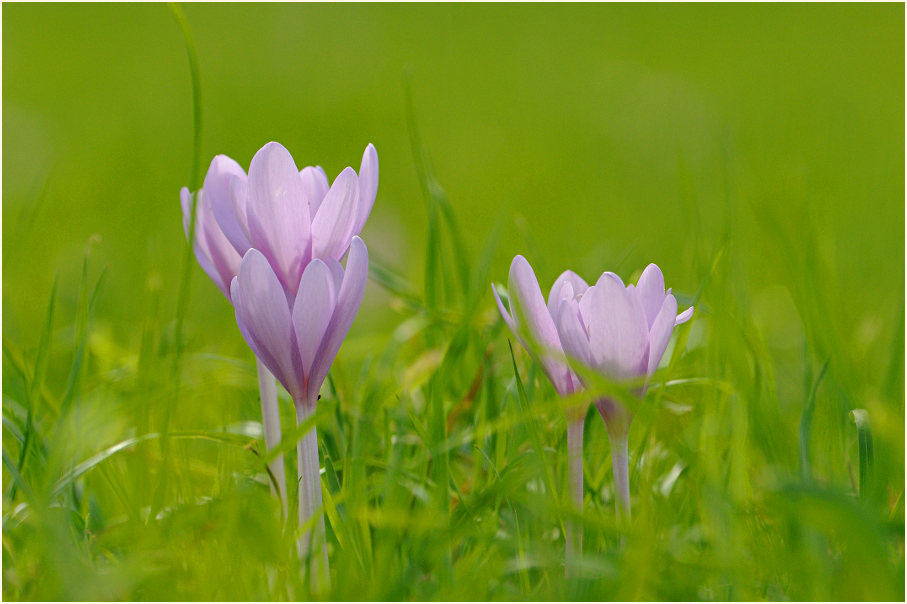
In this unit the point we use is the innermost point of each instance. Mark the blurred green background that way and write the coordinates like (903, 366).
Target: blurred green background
(760, 144)
(598, 131)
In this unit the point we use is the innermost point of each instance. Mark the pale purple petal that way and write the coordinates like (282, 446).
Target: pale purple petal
(684, 316)
(504, 312)
(368, 186)
(660, 334)
(333, 225)
(585, 305)
(572, 335)
(528, 307)
(214, 254)
(348, 300)
(279, 219)
(651, 287)
(336, 272)
(536, 325)
(315, 186)
(613, 276)
(223, 257)
(578, 285)
(264, 318)
(228, 211)
(618, 331)
(313, 309)
(260, 351)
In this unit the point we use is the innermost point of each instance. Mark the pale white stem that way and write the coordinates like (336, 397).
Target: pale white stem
(620, 461)
(312, 544)
(270, 415)
(574, 537)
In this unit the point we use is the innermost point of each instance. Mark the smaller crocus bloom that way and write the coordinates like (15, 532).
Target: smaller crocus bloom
(533, 323)
(291, 216)
(298, 338)
(621, 332)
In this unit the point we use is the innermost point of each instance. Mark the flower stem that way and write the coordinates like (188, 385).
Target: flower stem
(620, 461)
(574, 535)
(270, 415)
(312, 544)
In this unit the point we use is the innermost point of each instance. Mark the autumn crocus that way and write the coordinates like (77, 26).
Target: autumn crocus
(620, 332)
(532, 321)
(292, 220)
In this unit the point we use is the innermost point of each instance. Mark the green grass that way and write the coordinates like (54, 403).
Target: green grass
(754, 152)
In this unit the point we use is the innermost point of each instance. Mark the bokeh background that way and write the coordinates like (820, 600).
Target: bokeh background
(597, 132)
(763, 144)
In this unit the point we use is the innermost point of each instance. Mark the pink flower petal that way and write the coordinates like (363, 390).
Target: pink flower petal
(579, 287)
(618, 331)
(228, 209)
(279, 219)
(315, 187)
(651, 287)
(264, 318)
(660, 334)
(368, 186)
(334, 222)
(535, 326)
(504, 312)
(572, 334)
(684, 316)
(313, 309)
(348, 300)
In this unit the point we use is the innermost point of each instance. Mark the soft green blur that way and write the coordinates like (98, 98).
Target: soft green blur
(754, 152)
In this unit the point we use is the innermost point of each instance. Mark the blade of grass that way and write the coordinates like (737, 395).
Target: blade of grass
(523, 402)
(85, 312)
(806, 420)
(185, 280)
(34, 386)
(860, 417)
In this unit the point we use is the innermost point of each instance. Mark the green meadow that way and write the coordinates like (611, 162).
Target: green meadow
(754, 152)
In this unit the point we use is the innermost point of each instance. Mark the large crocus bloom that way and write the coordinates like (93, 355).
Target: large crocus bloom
(622, 333)
(291, 216)
(297, 339)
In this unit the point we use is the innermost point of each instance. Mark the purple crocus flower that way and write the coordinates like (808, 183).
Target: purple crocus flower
(533, 323)
(621, 332)
(297, 339)
(272, 242)
(290, 216)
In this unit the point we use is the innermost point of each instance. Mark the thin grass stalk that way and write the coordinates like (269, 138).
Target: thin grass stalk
(270, 416)
(312, 544)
